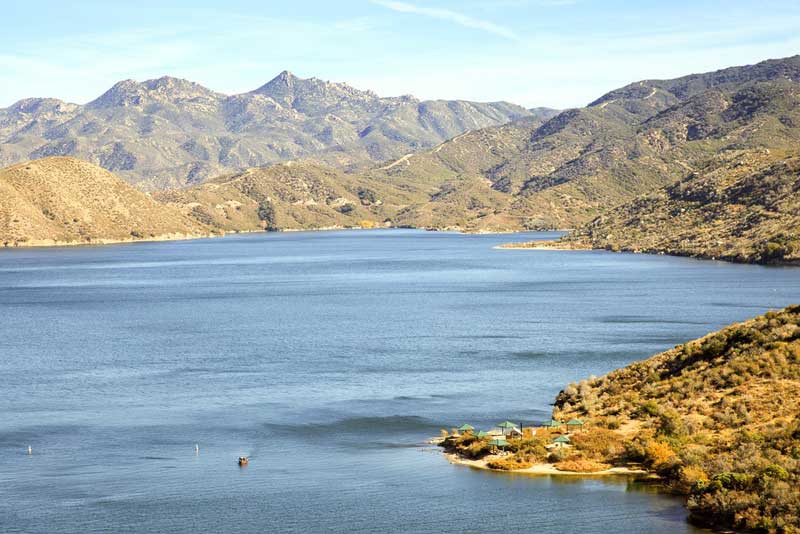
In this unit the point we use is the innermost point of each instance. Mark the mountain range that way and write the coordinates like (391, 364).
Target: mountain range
(562, 172)
(169, 132)
(538, 170)
(569, 169)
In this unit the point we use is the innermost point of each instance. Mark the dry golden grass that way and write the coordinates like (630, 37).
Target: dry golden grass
(743, 206)
(718, 418)
(66, 200)
(582, 466)
(510, 463)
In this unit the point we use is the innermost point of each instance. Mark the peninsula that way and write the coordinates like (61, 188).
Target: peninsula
(716, 419)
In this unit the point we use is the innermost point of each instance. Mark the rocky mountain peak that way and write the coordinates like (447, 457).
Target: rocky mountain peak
(280, 85)
(167, 88)
(124, 93)
(168, 131)
(286, 77)
(298, 93)
(41, 105)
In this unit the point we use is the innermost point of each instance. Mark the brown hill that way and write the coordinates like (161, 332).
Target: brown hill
(295, 195)
(743, 206)
(531, 173)
(568, 170)
(69, 201)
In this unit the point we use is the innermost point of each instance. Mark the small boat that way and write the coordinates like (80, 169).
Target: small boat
(244, 460)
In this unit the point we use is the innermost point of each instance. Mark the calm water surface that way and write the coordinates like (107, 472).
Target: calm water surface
(329, 358)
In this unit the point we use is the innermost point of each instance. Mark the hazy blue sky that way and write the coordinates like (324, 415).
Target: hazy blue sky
(556, 53)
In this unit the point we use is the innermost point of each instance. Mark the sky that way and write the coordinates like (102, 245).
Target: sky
(556, 53)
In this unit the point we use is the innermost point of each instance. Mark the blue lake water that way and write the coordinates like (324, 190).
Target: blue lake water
(329, 358)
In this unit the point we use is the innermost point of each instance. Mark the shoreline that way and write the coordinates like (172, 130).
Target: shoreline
(562, 246)
(545, 468)
(95, 242)
(544, 245)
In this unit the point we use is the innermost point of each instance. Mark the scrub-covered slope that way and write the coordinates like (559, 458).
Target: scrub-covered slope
(568, 170)
(718, 417)
(743, 207)
(69, 201)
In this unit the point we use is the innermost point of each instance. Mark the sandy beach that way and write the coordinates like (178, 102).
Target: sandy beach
(541, 469)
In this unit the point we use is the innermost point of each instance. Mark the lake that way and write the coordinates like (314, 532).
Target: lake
(330, 358)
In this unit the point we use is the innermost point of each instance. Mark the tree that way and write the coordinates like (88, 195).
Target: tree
(266, 214)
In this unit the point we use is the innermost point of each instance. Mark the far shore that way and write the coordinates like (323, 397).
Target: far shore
(544, 245)
(45, 243)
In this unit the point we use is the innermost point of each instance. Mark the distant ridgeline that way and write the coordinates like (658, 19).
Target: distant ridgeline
(718, 418)
(700, 165)
(171, 132)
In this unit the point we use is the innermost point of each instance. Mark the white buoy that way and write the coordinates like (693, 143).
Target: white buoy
(196, 448)
(30, 450)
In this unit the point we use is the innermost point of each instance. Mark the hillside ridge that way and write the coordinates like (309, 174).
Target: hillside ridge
(718, 418)
(170, 132)
(67, 201)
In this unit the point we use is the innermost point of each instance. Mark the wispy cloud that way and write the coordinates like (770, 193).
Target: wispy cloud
(449, 16)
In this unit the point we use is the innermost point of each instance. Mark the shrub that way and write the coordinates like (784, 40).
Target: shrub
(266, 214)
(773, 251)
(477, 449)
(600, 444)
(345, 209)
(692, 477)
(557, 455)
(533, 447)
(649, 408)
(776, 472)
(672, 424)
(509, 463)
(659, 455)
(367, 196)
(582, 465)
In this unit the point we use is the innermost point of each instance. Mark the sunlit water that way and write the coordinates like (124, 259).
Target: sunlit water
(330, 358)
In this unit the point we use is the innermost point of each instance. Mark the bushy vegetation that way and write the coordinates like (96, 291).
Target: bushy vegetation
(266, 214)
(581, 465)
(717, 418)
(599, 444)
(520, 453)
(592, 450)
(467, 445)
(742, 206)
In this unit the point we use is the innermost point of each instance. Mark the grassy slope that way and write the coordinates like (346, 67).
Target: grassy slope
(743, 207)
(718, 417)
(297, 195)
(65, 200)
